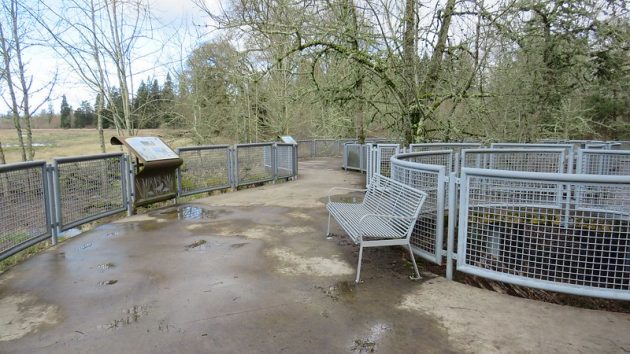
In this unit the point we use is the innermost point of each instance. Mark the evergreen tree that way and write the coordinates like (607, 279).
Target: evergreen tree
(84, 116)
(66, 113)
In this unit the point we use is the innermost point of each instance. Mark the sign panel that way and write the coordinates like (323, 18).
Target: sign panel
(151, 148)
(287, 139)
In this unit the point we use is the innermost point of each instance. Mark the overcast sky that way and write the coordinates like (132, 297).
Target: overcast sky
(173, 16)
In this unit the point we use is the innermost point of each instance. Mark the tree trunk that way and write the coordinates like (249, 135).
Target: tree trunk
(9, 80)
(409, 72)
(22, 76)
(359, 122)
(2, 159)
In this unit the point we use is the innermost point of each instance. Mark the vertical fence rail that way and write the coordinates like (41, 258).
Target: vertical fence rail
(24, 206)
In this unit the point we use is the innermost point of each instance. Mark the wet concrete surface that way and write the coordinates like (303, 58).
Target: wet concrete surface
(252, 271)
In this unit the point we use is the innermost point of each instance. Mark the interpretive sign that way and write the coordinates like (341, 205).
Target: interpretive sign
(155, 173)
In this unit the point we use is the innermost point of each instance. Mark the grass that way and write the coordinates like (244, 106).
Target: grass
(76, 142)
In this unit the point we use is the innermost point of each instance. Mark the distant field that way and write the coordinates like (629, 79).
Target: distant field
(51, 143)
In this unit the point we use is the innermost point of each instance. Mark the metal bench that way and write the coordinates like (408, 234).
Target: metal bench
(386, 217)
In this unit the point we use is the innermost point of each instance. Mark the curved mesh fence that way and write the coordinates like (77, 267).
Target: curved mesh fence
(428, 233)
(23, 199)
(254, 163)
(285, 160)
(89, 187)
(205, 168)
(607, 162)
(513, 229)
(532, 160)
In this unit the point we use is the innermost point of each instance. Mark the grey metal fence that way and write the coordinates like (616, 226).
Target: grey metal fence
(89, 188)
(569, 148)
(428, 233)
(456, 148)
(551, 160)
(38, 201)
(353, 157)
(384, 153)
(205, 168)
(25, 217)
(286, 160)
(603, 162)
(512, 229)
(254, 163)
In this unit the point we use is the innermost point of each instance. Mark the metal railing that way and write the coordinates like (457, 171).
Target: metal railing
(38, 201)
(254, 163)
(205, 168)
(88, 188)
(533, 160)
(570, 150)
(522, 219)
(25, 208)
(511, 229)
(603, 162)
(427, 236)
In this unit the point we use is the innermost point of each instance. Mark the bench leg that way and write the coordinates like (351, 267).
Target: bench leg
(415, 266)
(359, 265)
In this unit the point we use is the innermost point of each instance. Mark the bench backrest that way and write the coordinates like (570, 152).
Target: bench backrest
(389, 197)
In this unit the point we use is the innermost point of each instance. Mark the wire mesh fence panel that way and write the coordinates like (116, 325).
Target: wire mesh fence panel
(511, 229)
(284, 158)
(23, 204)
(384, 153)
(568, 147)
(456, 148)
(254, 163)
(353, 156)
(607, 162)
(205, 168)
(306, 149)
(428, 233)
(89, 187)
(532, 160)
(327, 148)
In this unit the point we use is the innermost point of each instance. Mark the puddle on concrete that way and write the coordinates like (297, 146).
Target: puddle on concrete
(22, 314)
(342, 290)
(71, 232)
(105, 266)
(369, 343)
(196, 244)
(107, 282)
(191, 212)
(130, 315)
(85, 246)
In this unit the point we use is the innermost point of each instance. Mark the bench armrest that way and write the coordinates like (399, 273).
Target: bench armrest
(380, 217)
(343, 188)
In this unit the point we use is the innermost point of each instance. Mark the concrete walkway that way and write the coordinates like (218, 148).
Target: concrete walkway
(252, 272)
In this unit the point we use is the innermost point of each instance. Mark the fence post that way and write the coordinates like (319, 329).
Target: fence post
(131, 185)
(57, 197)
(295, 161)
(274, 161)
(50, 198)
(313, 148)
(452, 215)
(234, 167)
(179, 179)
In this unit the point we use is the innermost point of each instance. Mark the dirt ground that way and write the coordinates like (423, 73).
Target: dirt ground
(252, 271)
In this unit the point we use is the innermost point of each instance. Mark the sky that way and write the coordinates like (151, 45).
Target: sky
(172, 16)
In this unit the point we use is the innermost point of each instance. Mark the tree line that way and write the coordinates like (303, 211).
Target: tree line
(510, 70)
